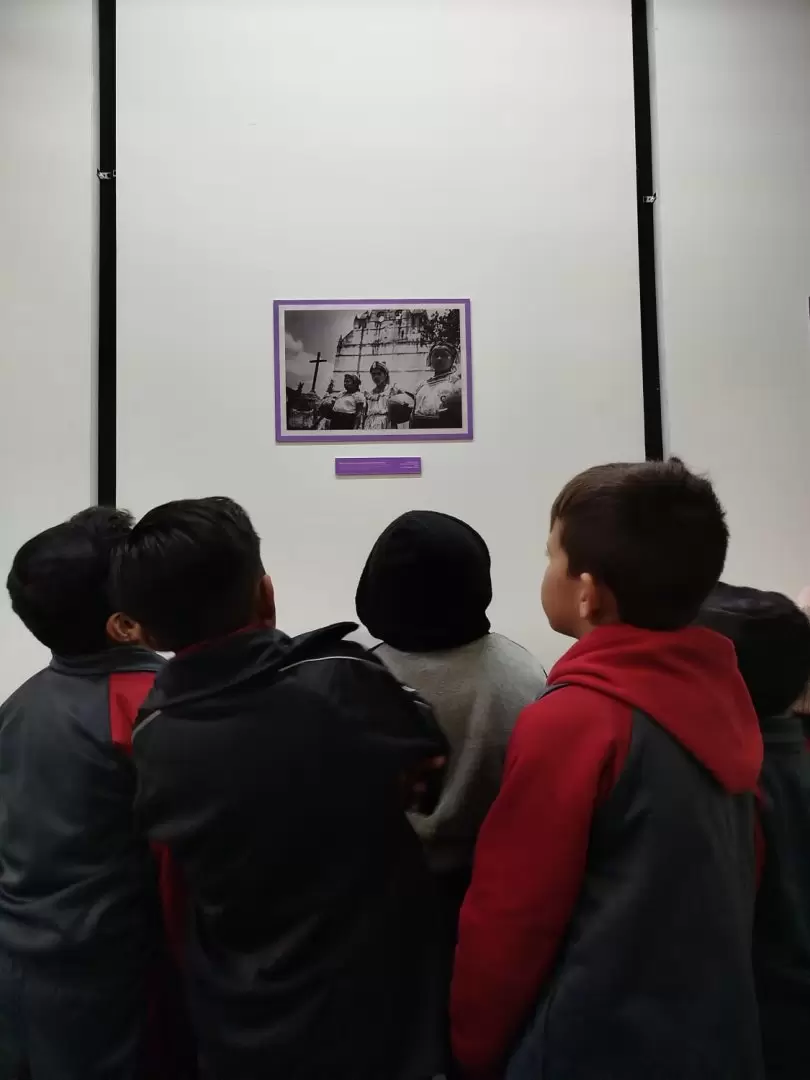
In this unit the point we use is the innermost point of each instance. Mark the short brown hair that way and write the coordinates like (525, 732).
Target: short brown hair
(654, 533)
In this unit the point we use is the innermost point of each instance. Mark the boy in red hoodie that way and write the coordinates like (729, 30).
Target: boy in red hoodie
(607, 931)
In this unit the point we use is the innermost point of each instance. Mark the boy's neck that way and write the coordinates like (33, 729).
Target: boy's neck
(257, 624)
(588, 627)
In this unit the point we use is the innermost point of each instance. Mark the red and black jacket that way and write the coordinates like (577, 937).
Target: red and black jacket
(607, 930)
(75, 879)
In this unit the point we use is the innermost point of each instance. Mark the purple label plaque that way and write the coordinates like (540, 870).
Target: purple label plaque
(378, 466)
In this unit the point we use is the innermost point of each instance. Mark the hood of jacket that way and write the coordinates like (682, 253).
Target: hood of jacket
(687, 681)
(233, 663)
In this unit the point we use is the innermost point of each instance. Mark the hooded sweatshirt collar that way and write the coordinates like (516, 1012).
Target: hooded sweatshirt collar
(687, 681)
(209, 669)
(115, 659)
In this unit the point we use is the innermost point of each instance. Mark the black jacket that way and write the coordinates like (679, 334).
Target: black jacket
(75, 881)
(271, 767)
(782, 924)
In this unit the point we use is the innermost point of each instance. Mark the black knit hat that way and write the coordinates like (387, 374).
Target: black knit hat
(771, 636)
(426, 585)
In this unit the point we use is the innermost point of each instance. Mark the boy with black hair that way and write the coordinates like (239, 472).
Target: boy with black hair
(79, 912)
(607, 931)
(274, 770)
(771, 636)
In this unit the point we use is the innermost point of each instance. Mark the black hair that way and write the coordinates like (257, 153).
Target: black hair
(654, 533)
(189, 572)
(58, 581)
(771, 637)
(443, 346)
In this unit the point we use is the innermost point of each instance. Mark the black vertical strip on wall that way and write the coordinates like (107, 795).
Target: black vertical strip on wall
(645, 191)
(107, 291)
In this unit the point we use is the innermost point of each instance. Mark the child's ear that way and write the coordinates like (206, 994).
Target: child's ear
(267, 602)
(589, 599)
(122, 630)
(597, 604)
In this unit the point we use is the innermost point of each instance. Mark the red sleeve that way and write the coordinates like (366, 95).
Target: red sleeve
(564, 755)
(173, 900)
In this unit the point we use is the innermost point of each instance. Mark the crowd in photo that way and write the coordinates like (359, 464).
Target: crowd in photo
(382, 405)
(277, 857)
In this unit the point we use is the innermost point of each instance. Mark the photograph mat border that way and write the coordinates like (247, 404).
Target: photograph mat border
(284, 436)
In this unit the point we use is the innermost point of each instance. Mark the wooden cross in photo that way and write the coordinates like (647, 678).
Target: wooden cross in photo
(317, 362)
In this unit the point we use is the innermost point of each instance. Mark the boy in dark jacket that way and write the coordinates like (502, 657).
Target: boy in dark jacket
(275, 770)
(79, 912)
(607, 931)
(772, 640)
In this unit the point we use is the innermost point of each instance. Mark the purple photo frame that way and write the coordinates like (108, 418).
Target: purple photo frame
(283, 435)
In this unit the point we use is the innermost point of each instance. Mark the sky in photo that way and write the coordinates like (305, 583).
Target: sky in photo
(306, 334)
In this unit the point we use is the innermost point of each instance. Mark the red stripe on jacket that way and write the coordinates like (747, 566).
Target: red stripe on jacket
(127, 692)
(170, 1053)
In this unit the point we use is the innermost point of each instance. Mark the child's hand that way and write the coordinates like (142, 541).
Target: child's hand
(422, 785)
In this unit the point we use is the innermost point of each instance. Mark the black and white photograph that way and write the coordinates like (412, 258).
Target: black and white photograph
(391, 370)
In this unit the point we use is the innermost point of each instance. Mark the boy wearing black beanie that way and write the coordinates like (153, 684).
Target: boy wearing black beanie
(425, 592)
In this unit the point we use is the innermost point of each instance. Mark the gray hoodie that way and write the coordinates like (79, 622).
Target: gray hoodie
(477, 692)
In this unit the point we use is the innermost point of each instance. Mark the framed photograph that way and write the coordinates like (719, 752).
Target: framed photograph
(372, 370)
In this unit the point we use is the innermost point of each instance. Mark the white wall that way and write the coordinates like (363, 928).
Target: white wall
(47, 240)
(291, 147)
(296, 148)
(733, 90)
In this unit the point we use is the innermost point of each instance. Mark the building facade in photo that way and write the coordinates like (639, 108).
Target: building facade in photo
(397, 337)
